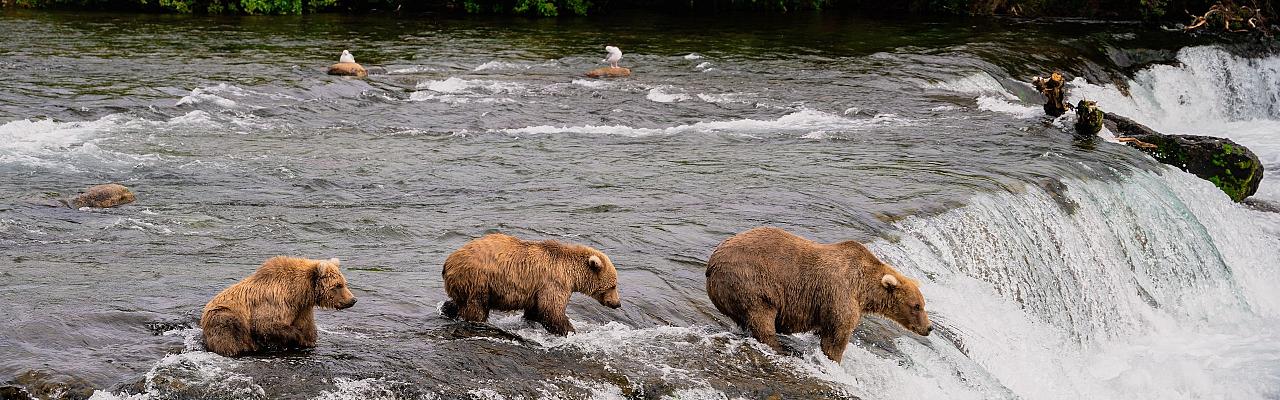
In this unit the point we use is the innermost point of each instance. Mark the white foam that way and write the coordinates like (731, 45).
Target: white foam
(797, 123)
(978, 83)
(510, 65)
(592, 83)
(416, 69)
(1001, 105)
(193, 373)
(660, 94)
(725, 97)
(693, 56)
(457, 90)
(359, 389)
(459, 85)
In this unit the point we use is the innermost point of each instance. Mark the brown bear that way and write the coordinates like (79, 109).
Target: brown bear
(273, 306)
(501, 272)
(771, 282)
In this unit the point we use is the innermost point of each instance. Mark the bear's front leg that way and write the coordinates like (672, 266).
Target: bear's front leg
(306, 324)
(833, 343)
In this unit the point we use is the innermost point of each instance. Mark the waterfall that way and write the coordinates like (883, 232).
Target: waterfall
(1211, 92)
(1155, 287)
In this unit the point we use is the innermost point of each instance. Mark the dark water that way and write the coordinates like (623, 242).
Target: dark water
(240, 148)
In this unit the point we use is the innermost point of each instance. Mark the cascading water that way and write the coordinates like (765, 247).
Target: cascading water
(1211, 93)
(1156, 287)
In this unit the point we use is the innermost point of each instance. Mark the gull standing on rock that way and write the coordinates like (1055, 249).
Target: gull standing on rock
(614, 55)
(347, 66)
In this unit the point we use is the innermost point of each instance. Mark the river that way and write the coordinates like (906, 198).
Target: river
(1054, 268)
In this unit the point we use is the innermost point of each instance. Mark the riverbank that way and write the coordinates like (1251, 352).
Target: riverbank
(1167, 11)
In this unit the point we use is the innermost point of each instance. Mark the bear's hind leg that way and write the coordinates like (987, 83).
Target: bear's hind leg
(532, 314)
(226, 334)
(474, 309)
(449, 309)
(761, 323)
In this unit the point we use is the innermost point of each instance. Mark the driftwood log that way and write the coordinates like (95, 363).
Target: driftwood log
(1054, 89)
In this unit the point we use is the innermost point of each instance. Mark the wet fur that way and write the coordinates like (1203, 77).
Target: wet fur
(500, 272)
(273, 307)
(771, 282)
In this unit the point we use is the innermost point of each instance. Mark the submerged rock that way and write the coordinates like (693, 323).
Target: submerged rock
(348, 69)
(101, 196)
(609, 72)
(1230, 166)
(37, 384)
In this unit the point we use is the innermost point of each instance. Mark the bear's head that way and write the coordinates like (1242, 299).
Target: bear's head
(331, 286)
(906, 303)
(602, 281)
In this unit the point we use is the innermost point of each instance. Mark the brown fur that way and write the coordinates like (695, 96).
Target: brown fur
(273, 306)
(504, 273)
(771, 282)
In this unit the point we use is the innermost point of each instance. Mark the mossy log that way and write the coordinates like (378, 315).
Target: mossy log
(1230, 166)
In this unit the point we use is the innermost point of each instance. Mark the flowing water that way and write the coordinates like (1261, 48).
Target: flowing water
(1054, 268)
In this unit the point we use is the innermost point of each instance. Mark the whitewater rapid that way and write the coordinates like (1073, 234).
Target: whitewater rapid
(1211, 92)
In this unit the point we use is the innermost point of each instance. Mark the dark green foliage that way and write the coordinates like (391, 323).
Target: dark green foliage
(543, 8)
(1166, 10)
(267, 7)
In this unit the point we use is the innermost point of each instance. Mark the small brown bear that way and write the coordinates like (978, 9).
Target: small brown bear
(273, 306)
(504, 273)
(771, 282)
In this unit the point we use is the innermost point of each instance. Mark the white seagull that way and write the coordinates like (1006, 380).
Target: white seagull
(614, 56)
(347, 57)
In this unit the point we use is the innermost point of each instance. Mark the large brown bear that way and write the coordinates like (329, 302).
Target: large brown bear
(771, 282)
(273, 306)
(500, 272)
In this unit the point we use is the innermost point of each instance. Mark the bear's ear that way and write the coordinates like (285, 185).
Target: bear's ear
(595, 263)
(889, 281)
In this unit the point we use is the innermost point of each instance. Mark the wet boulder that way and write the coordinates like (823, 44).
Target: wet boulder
(1230, 166)
(348, 69)
(609, 72)
(101, 196)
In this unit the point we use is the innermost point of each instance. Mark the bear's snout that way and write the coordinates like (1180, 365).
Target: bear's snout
(614, 304)
(347, 304)
(926, 331)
